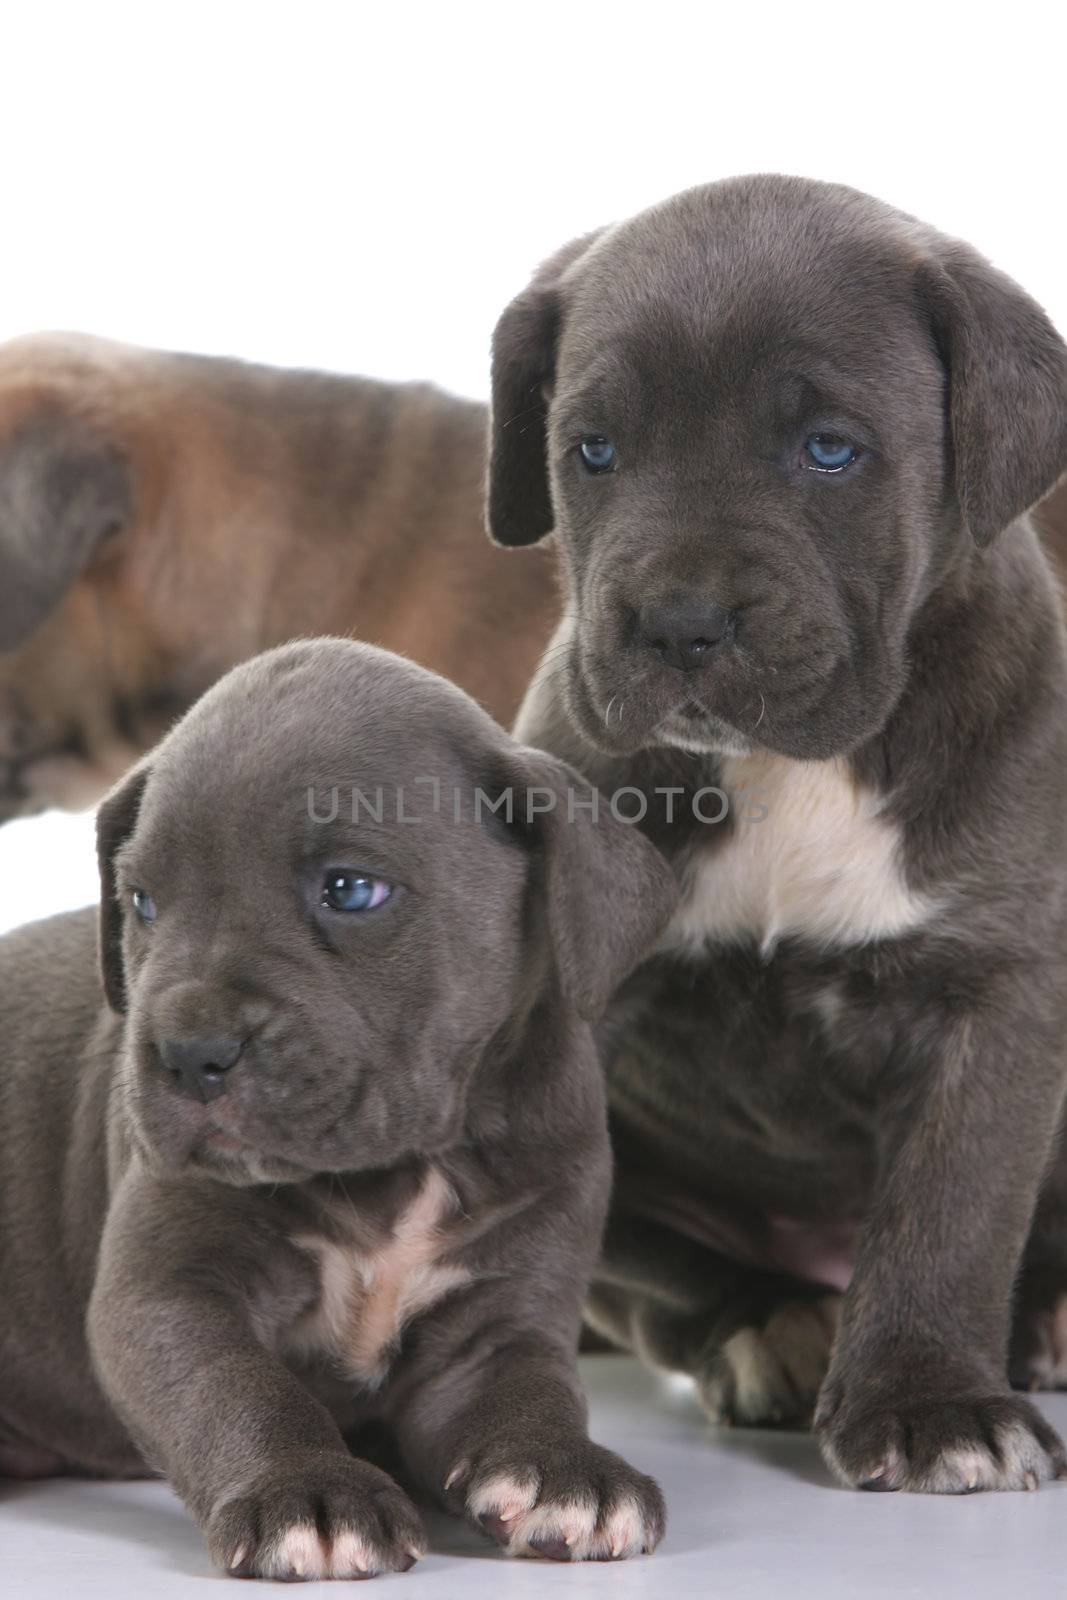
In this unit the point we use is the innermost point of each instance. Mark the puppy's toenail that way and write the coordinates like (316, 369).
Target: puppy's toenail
(877, 1483)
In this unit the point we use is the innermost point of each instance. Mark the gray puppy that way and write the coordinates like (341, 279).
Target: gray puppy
(787, 437)
(336, 1156)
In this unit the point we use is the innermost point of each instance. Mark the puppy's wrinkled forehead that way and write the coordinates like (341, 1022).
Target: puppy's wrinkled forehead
(301, 721)
(725, 280)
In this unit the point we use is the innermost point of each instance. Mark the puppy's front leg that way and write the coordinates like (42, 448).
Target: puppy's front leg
(190, 1285)
(917, 1394)
(497, 1431)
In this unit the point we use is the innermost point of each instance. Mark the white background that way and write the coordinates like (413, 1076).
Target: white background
(363, 187)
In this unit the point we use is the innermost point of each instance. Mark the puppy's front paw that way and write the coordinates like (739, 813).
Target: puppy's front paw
(571, 1501)
(993, 1441)
(318, 1516)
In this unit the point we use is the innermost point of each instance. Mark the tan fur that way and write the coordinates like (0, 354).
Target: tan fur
(823, 864)
(1048, 1364)
(302, 1552)
(368, 1295)
(268, 505)
(774, 1372)
(1011, 1459)
(593, 1532)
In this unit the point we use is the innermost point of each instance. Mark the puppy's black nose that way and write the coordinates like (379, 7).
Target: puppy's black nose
(685, 631)
(200, 1062)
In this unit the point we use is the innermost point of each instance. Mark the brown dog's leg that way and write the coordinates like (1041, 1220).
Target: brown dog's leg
(178, 1335)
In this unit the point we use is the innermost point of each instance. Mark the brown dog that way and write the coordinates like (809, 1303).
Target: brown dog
(163, 517)
(337, 1154)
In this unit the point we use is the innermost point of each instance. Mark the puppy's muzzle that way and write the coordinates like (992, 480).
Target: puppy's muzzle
(200, 1065)
(685, 633)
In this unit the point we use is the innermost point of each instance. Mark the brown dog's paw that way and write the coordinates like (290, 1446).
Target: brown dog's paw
(319, 1517)
(770, 1376)
(571, 1501)
(995, 1441)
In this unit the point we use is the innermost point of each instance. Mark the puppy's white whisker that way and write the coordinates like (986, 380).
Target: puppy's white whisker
(607, 711)
(762, 710)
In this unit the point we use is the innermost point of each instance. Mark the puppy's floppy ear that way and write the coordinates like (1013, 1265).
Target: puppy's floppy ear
(608, 892)
(525, 340)
(1007, 395)
(63, 489)
(115, 821)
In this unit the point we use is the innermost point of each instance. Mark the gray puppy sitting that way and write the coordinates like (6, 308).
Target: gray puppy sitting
(336, 1152)
(787, 438)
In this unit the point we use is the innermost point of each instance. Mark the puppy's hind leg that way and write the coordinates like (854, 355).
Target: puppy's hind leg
(1038, 1358)
(757, 1344)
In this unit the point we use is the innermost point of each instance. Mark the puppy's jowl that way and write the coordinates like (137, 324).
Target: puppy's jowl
(336, 1153)
(788, 438)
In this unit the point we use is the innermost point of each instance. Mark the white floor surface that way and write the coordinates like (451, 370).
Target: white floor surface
(752, 1514)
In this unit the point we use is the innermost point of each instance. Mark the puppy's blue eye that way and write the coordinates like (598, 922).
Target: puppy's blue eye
(827, 453)
(346, 890)
(597, 453)
(143, 905)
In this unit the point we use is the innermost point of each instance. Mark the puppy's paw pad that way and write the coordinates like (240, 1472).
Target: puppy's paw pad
(578, 1504)
(557, 1530)
(765, 1376)
(951, 1447)
(336, 1519)
(302, 1553)
(583, 1530)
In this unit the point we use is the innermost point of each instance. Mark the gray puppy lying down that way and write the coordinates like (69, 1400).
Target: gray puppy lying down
(335, 1153)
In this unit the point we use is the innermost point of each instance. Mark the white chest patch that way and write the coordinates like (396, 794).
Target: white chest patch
(822, 864)
(368, 1295)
